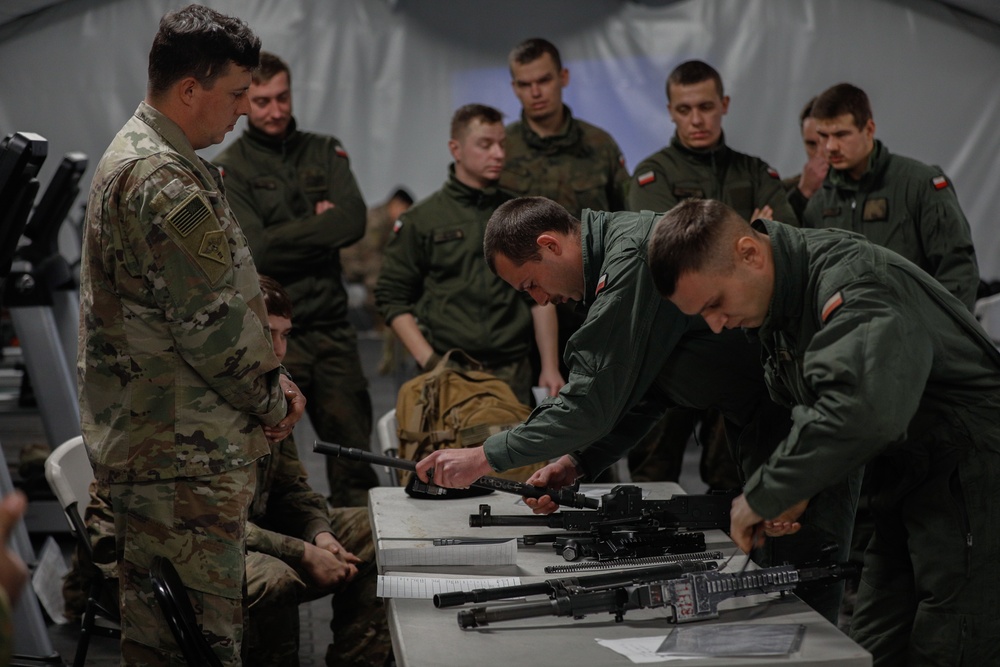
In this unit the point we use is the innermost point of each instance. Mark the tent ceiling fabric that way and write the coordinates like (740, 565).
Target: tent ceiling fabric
(14, 9)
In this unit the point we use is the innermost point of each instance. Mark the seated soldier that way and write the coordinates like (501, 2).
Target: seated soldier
(298, 550)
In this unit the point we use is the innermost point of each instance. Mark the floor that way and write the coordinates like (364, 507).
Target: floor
(22, 426)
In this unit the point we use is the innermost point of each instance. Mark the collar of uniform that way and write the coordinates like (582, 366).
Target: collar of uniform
(878, 161)
(593, 225)
(788, 252)
(568, 135)
(172, 134)
(264, 140)
(714, 154)
(491, 196)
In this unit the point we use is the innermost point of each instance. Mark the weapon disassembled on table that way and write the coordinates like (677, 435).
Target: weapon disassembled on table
(567, 497)
(624, 526)
(690, 596)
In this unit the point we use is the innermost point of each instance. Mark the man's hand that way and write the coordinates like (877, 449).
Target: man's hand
(813, 174)
(328, 542)
(742, 522)
(323, 206)
(13, 572)
(327, 571)
(786, 523)
(454, 468)
(553, 476)
(296, 408)
(552, 380)
(764, 211)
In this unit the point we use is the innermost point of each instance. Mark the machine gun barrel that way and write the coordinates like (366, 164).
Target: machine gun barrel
(693, 596)
(551, 587)
(566, 497)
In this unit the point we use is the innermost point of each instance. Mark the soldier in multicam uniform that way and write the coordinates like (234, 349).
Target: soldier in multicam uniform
(298, 202)
(297, 550)
(179, 387)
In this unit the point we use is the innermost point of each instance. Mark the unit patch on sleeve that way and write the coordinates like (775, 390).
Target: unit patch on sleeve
(831, 305)
(213, 246)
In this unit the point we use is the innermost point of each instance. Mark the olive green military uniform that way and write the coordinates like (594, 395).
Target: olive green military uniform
(883, 366)
(284, 513)
(579, 167)
(635, 356)
(908, 207)
(274, 185)
(796, 199)
(176, 376)
(434, 269)
(677, 172)
(744, 182)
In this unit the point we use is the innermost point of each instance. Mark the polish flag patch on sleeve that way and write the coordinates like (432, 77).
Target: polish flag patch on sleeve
(646, 179)
(601, 284)
(831, 305)
(339, 150)
(939, 182)
(396, 226)
(773, 173)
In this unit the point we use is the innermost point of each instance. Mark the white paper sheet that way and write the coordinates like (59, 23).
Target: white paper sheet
(395, 586)
(503, 553)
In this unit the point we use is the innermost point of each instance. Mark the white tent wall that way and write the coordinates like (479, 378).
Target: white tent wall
(385, 76)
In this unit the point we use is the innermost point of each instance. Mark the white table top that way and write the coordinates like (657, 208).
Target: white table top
(425, 636)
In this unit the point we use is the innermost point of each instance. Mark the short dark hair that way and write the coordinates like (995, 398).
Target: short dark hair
(200, 42)
(515, 225)
(276, 299)
(403, 195)
(693, 236)
(467, 113)
(691, 72)
(807, 111)
(270, 67)
(841, 99)
(531, 50)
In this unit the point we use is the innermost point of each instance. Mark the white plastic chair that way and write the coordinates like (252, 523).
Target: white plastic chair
(387, 444)
(69, 474)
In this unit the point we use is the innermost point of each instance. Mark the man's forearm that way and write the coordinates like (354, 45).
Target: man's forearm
(406, 329)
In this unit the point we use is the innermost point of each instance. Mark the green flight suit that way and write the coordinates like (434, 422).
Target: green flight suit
(274, 185)
(579, 167)
(908, 207)
(433, 269)
(796, 199)
(883, 366)
(676, 172)
(635, 356)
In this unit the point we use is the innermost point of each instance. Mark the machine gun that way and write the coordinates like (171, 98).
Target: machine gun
(603, 544)
(557, 587)
(623, 508)
(566, 497)
(694, 596)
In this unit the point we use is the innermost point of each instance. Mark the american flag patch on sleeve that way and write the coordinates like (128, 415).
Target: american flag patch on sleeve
(190, 214)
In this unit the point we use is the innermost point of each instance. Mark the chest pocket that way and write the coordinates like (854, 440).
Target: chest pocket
(313, 180)
(688, 191)
(590, 191)
(889, 224)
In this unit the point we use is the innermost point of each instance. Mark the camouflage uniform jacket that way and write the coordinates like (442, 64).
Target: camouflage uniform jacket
(434, 269)
(285, 511)
(908, 207)
(274, 185)
(739, 180)
(176, 367)
(580, 167)
(870, 351)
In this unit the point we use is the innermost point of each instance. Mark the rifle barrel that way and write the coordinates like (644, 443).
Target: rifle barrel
(566, 497)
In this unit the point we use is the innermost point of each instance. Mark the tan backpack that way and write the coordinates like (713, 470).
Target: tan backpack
(450, 407)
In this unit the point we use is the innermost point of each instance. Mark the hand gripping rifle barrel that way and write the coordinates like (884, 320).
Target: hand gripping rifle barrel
(552, 587)
(566, 497)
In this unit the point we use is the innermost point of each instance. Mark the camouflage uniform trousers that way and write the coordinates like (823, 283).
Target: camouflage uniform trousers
(326, 367)
(199, 524)
(275, 590)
